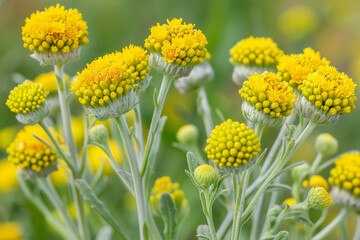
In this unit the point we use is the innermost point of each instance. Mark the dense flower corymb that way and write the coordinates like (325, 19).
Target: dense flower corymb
(54, 30)
(267, 94)
(232, 146)
(294, 68)
(175, 45)
(30, 153)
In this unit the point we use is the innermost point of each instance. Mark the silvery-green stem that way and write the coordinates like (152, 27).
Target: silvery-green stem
(225, 225)
(314, 167)
(159, 104)
(88, 125)
(205, 110)
(139, 133)
(65, 114)
(357, 231)
(332, 225)
(208, 214)
(139, 191)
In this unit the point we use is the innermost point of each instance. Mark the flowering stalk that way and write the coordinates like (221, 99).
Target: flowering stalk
(204, 110)
(138, 133)
(139, 192)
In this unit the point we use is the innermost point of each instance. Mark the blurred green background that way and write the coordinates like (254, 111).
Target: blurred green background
(329, 26)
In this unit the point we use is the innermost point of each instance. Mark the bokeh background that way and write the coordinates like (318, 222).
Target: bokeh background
(329, 26)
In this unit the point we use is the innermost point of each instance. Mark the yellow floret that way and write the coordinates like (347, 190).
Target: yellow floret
(49, 81)
(26, 97)
(136, 61)
(346, 174)
(54, 30)
(177, 42)
(28, 152)
(256, 51)
(329, 90)
(289, 201)
(295, 68)
(266, 93)
(232, 144)
(316, 181)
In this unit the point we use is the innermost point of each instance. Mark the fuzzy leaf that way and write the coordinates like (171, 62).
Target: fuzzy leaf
(191, 160)
(168, 213)
(203, 232)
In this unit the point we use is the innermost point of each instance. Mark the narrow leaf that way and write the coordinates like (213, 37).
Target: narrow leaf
(168, 212)
(191, 160)
(203, 232)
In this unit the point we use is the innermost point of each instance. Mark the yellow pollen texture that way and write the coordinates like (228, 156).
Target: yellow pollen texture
(26, 97)
(256, 51)
(54, 30)
(111, 76)
(330, 91)
(295, 68)
(163, 185)
(268, 94)
(177, 42)
(28, 152)
(346, 174)
(232, 144)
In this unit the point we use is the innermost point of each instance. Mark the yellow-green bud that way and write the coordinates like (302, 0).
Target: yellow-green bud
(205, 175)
(318, 198)
(188, 134)
(300, 171)
(326, 144)
(99, 135)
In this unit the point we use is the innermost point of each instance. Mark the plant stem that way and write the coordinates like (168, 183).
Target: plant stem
(159, 104)
(138, 133)
(65, 115)
(208, 215)
(332, 225)
(225, 225)
(139, 192)
(314, 167)
(357, 231)
(204, 110)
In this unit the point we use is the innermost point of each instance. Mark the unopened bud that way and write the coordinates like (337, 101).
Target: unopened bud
(99, 135)
(205, 175)
(326, 144)
(188, 134)
(318, 198)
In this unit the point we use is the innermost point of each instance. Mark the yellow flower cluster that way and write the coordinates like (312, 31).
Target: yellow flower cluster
(8, 180)
(30, 153)
(256, 51)
(329, 90)
(10, 231)
(136, 61)
(346, 174)
(49, 81)
(103, 80)
(26, 97)
(268, 94)
(232, 144)
(54, 30)
(289, 201)
(163, 185)
(316, 181)
(295, 68)
(177, 42)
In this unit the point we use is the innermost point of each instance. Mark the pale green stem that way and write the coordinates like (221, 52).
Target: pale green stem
(357, 229)
(209, 215)
(242, 199)
(138, 133)
(88, 125)
(65, 115)
(205, 110)
(332, 225)
(314, 167)
(159, 104)
(139, 191)
(225, 225)
(256, 219)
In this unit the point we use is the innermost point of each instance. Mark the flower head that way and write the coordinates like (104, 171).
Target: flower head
(232, 146)
(326, 95)
(11, 231)
(31, 154)
(254, 54)
(27, 100)
(55, 34)
(8, 180)
(316, 181)
(269, 98)
(205, 175)
(294, 68)
(163, 185)
(345, 180)
(289, 201)
(49, 81)
(105, 87)
(175, 47)
(318, 198)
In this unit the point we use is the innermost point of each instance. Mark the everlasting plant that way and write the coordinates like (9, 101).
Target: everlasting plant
(297, 92)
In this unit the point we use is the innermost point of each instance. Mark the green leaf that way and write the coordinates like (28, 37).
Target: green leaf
(104, 233)
(168, 212)
(278, 187)
(191, 160)
(203, 232)
(127, 179)
(100, 207)
(156, 103)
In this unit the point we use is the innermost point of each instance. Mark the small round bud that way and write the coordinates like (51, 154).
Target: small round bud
(289, 201)
(318, 198)
(99, 135)
(187, 134)
(205, 175)
(300, 171)
(326, 144)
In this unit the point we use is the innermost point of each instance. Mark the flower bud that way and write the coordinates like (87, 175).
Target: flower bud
(318, 198)
(98, 135)
(205, 175)
(326, 144)
(188, 134)
(316, 181)
(299, 171)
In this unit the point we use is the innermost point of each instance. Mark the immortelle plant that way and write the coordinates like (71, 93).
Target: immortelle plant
(296, 92)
